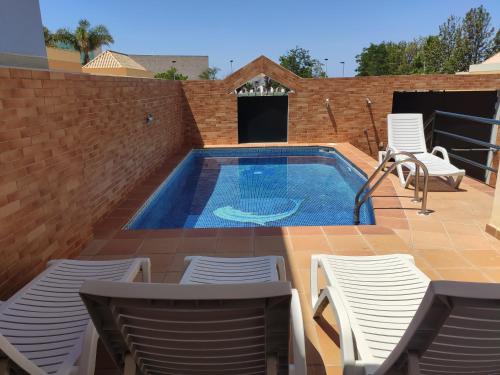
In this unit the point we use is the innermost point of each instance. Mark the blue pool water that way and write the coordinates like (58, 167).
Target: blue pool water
(253, 187)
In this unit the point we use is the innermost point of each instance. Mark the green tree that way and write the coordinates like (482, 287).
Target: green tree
(85, 39)
(496, 43)
(209, 73)
(459, 43)
(477, 35)
(433, 56)
(171, 74)
(299, 61)
(49, 37)
(385, 58)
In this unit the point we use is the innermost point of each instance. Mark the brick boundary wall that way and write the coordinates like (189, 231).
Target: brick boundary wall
(72, 146)
(349, 118)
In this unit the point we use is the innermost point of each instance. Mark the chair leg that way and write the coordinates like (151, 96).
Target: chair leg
(401, 175)
(320, 304)
(458, 181)
(280, 265)
(314, 280)
(86, 363)
(298, 339)
(4, 366)
(130, 366)
(272, 365)
(146, 271)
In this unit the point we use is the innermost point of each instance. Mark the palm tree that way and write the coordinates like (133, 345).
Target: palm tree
(85, 38)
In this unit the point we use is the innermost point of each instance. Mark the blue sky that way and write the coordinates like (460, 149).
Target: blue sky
(244, 30)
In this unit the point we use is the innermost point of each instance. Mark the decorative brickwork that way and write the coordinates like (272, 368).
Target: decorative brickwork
(72, 146)
(348, 118)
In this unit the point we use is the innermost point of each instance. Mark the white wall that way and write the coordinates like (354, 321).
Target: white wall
(21, 34)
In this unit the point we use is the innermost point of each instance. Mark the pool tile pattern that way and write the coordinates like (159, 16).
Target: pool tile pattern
(451, 243)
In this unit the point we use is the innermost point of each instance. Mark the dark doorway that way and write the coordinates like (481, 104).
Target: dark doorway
(262, 119)
(475, 103)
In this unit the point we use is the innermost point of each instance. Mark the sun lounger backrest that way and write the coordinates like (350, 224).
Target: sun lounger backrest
(406, 132)
(43, 326)
(193, 329)
(455, 331)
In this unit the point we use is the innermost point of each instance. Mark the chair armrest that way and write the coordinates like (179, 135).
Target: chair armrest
(331, 296)
(298, 340)
(443, 152)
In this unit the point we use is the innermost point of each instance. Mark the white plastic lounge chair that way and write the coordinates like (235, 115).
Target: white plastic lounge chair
(45, 328)
(218, 320)
(392, 320)
(214, 270)
(374, 298)
(406, 133)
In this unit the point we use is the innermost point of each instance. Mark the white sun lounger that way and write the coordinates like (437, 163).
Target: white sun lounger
(374, 298)
(389, 326)
(406, 133)
(217, 321)
(45, 328)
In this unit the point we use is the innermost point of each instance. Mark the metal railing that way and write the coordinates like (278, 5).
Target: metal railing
(488, 147)
(410, 158)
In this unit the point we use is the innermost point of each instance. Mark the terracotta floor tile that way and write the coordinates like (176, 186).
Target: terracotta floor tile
(462, 274)
(354, 252)
(470, 242)
(200, 232)
(374, 229)
(161, 262)
(235, 244)
(235, 232)
(392, 222)
(492, 273)
(462, 228)
(159, 245)
(318, 244)
(271, 245)
(304, 231)
(397, 213)
(93, 247)
(444, 258)
(197, 245)
(482, 258)
(157, 277)
(121, 246)
(387, 243)
(161, 233)
(172, 277)
(270, 231)
(424, 225)
(405, 235)
(340, 230)
(430, 240)
(131, 234)
(347, 242)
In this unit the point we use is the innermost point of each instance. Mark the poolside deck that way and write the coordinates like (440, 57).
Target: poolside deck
(448, 244)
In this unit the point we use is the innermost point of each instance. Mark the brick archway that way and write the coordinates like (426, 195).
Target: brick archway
(262, 65)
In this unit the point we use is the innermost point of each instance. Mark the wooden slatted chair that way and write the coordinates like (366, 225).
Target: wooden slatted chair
(216, 321)
(393, 320)
(45, 328)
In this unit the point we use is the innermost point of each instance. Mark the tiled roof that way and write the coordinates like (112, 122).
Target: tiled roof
(112, 59)
(495, 59)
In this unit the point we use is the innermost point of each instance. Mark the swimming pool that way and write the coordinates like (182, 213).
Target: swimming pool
(254, 187)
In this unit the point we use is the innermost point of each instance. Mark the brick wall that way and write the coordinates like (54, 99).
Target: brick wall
(71, 146)
(348, 119)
